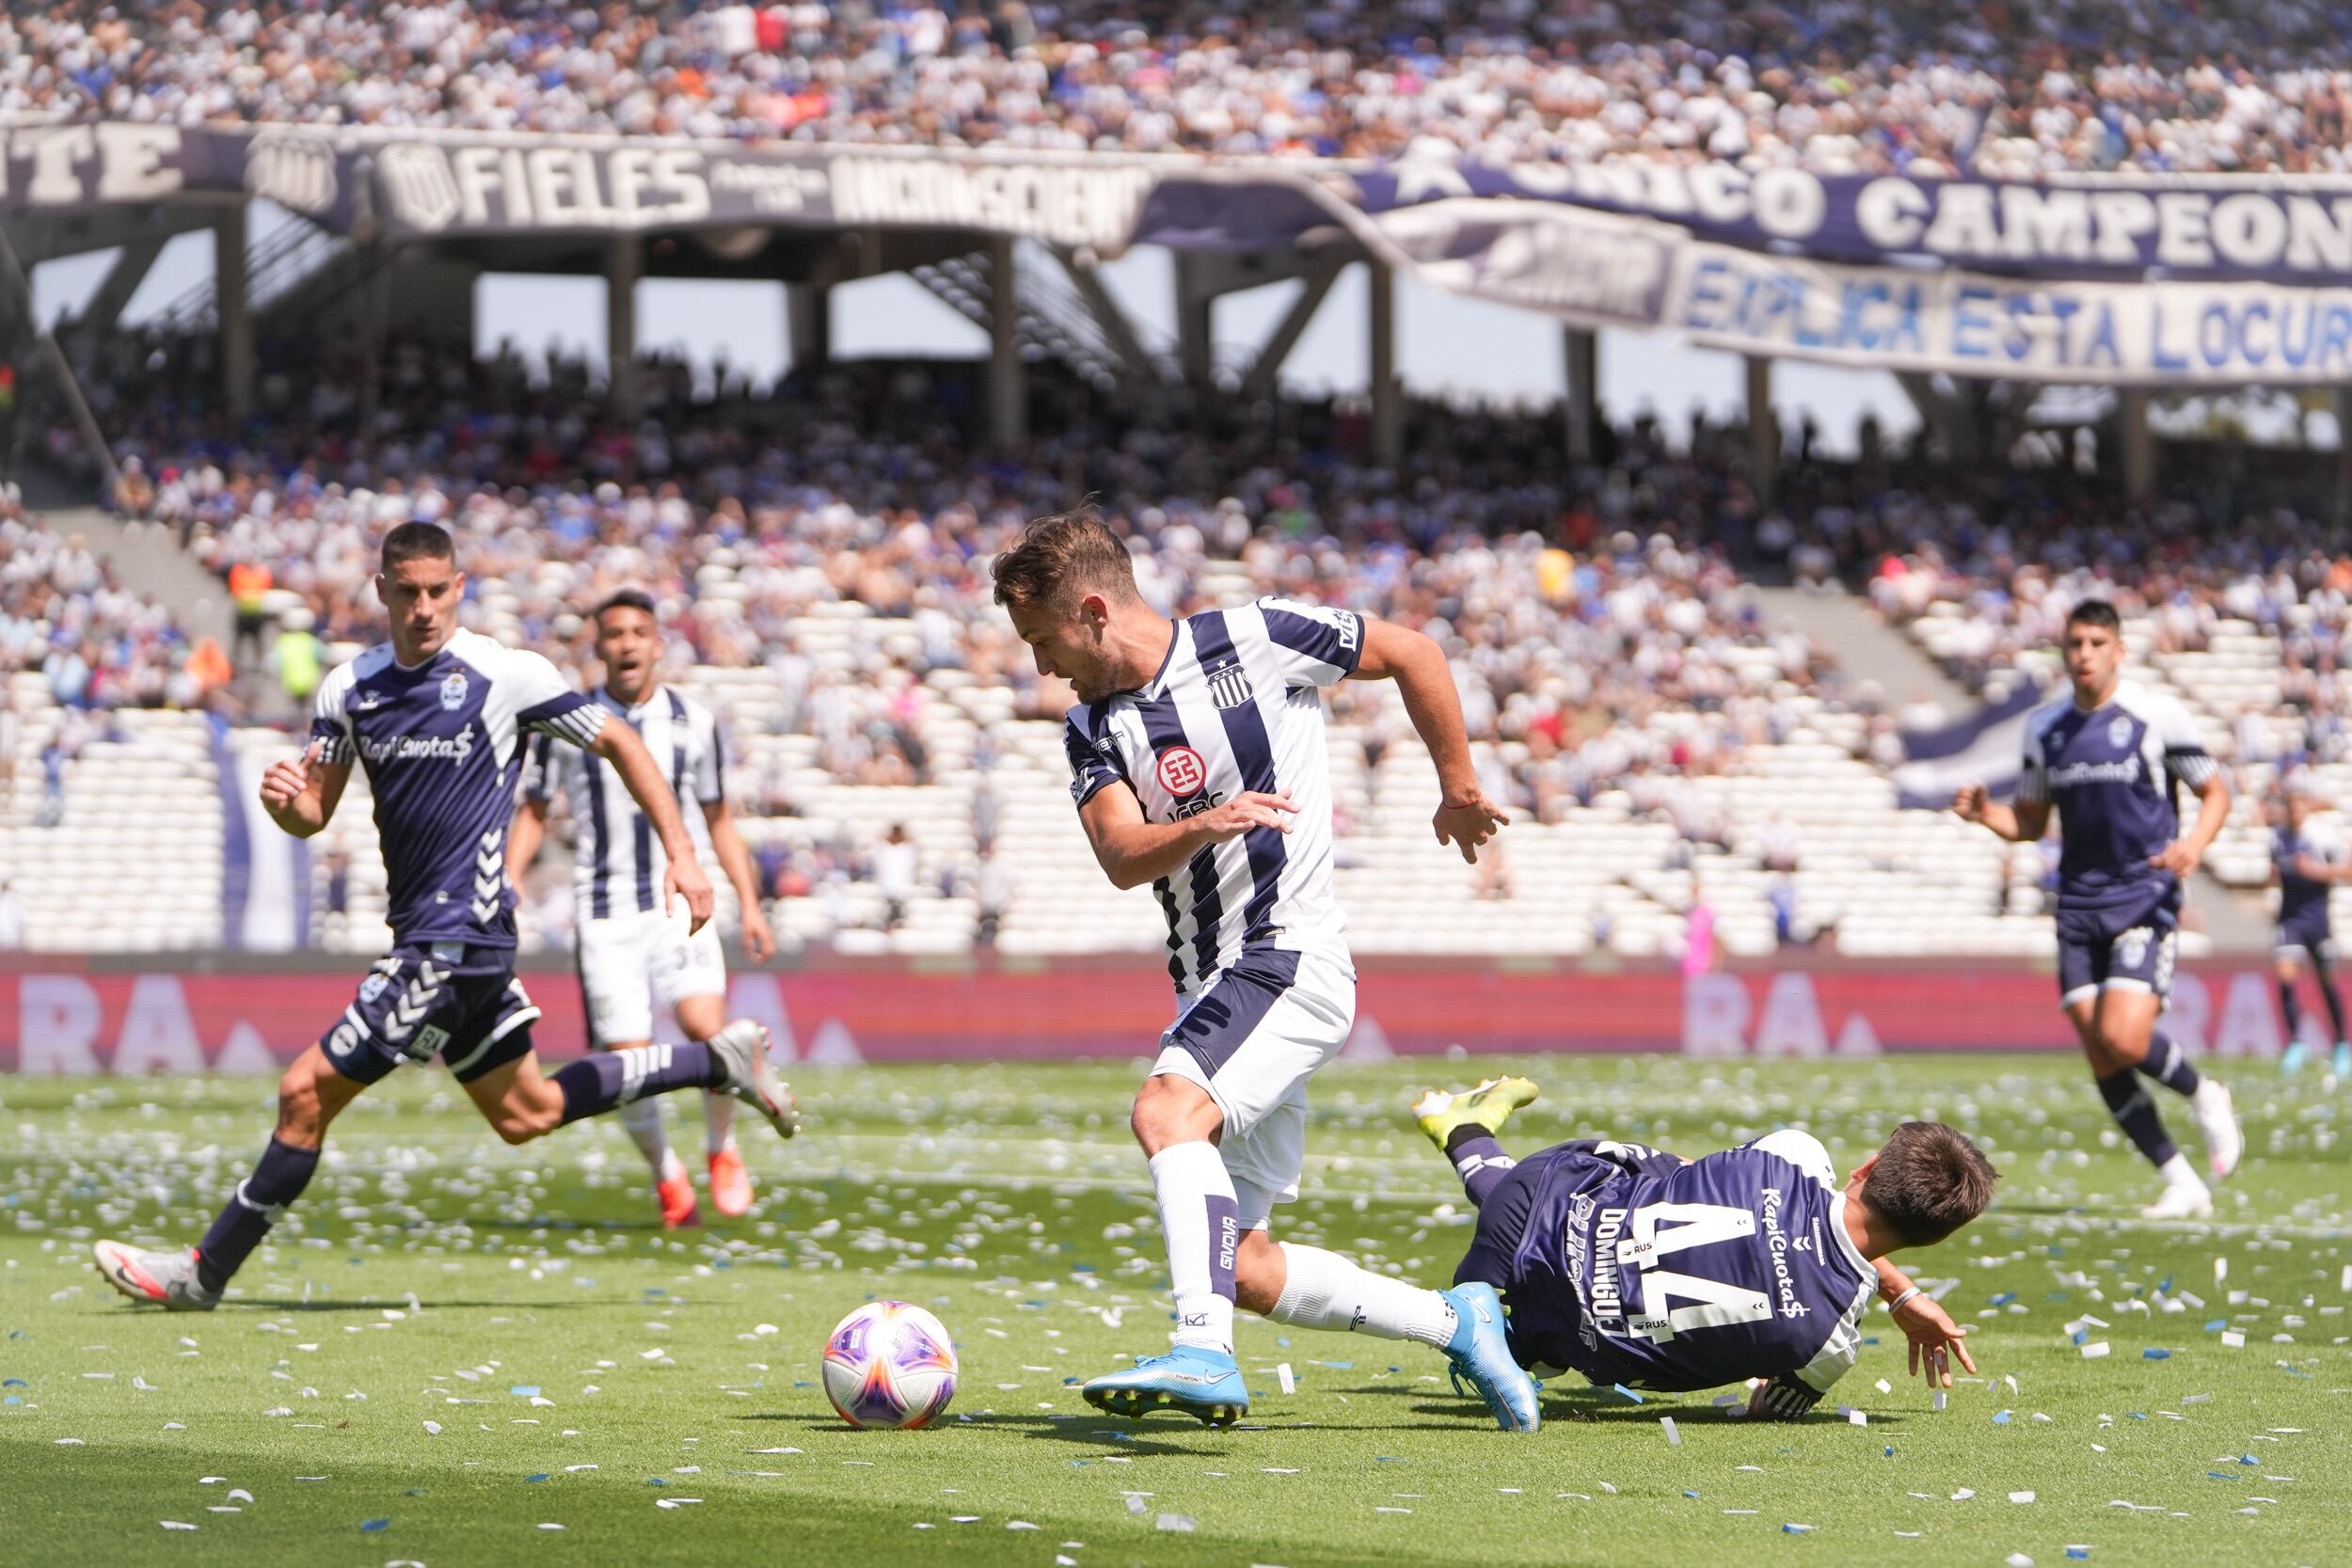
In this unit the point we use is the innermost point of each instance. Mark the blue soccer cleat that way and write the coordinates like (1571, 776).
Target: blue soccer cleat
(1204, 1384)
(1480, 1353)
(2290, 1060)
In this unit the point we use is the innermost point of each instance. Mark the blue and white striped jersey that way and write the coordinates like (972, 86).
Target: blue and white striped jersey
(618, 865)
(1234, 708)
(443, 746)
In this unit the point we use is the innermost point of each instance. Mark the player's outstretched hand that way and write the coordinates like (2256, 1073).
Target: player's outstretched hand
(1969, 803)
(685, 880)
(1934, 1340)
(760, 941)
(1469, 822)
(287, 777)
(2177, 857)
(1252, 808)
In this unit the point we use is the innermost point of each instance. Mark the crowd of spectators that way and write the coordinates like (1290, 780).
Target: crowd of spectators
(1994, 87)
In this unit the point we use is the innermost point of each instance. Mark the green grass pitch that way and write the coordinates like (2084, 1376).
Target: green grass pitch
(453, 1346)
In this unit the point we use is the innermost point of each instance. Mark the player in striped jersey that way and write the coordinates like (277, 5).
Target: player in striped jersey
(1197, 766)
(436, 716)
(632, 954)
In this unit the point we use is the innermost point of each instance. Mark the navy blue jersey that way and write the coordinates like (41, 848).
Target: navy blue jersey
(2111, 774)
(2303, 900)
(441, 744)
(1692, 1275)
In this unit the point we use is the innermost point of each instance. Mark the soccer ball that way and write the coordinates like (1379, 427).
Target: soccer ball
(890, 1364)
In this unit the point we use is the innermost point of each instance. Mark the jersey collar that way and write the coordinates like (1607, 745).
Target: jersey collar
(1156, 685)
(1845, 1238)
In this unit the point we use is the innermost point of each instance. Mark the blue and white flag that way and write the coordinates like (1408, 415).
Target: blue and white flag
(1988, 747)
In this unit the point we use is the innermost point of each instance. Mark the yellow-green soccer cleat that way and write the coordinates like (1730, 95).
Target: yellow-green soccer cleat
(1437, 1112)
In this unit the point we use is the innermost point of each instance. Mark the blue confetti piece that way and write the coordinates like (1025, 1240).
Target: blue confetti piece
(1387, 1459)
(13, 1382)
(524, 1391)
(2165, 1289)
(1630, 1394)
(2155, 1352)
(2004, 1298)
(2217, 1324)
(13, 1399)
(374, 1527)
(2077, 1551)
(2000, 1417)
(655, 1480)
(1796, 1529)
(2219, 1475)
(541, 1476)
(2135, 1414)
(1689, 1494)
(2080, 1336)
(2247, 1459)
(1890, 1452)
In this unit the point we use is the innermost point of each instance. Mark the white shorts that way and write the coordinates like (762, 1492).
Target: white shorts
(1251, 1039)
(631, 963)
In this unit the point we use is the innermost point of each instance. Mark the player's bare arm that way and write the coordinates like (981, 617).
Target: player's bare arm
(619, 745)
(1133, 851)
(301, 793)
(735, 859)
(2184, 855)
(523, 839)
(1464, 817)
(2023, 823)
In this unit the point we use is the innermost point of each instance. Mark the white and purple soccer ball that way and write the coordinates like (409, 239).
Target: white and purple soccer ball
(890, 1364)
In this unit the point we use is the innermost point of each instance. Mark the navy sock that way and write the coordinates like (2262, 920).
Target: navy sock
(2334, 999)
(596, 1083)
(1478, 1160)
(2169, 1064)
(2135, 1114)
(2290, 1009)
(276, 1183)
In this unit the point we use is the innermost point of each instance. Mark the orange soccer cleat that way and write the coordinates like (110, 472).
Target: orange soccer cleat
(730, 1183)
(676, 1192)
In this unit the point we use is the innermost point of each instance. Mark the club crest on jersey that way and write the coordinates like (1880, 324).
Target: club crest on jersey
(369, 699)
(1182, 772)
(2119, 730)
(1228, 686)
(454, 691)
(373, 987)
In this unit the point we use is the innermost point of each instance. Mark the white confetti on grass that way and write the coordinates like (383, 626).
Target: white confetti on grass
(176, 1524)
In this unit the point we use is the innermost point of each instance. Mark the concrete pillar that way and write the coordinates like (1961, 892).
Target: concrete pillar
(2138, 444)
(1582, 348)
(234, 310)
(1387, 402)
(625, 264)
(1196, 348)
(1008, 385)
(808, 315)
(1763, 431)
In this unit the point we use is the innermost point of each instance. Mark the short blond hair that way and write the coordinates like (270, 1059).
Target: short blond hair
(1069, 554)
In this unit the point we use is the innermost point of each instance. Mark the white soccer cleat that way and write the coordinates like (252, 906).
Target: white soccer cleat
(2225, 1144)
(167, 1278)
(743, 1047)
(2182, 1200)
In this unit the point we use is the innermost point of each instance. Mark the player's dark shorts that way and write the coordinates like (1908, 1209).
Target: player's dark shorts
(461, 1004)
(1546, 1320)
(2306, 935)
(2130, 949)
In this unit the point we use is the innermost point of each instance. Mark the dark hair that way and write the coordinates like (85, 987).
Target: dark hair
(417, 541)
(1929, 1181)
(626, 598)
(2095, 613)
(1070, 553)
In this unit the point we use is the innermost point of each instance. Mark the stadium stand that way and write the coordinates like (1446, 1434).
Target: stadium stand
(1991, 88)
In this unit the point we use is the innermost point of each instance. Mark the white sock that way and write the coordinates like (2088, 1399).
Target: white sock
(719, 1121)
(1203, 1223)
(1326, 1291)
(642, 1117)
(2178, 1172)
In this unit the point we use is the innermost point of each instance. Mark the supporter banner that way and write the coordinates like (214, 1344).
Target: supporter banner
(2284, 229)
(429, 187)
(114, 163)
(83, 1021)
(1988, 747)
